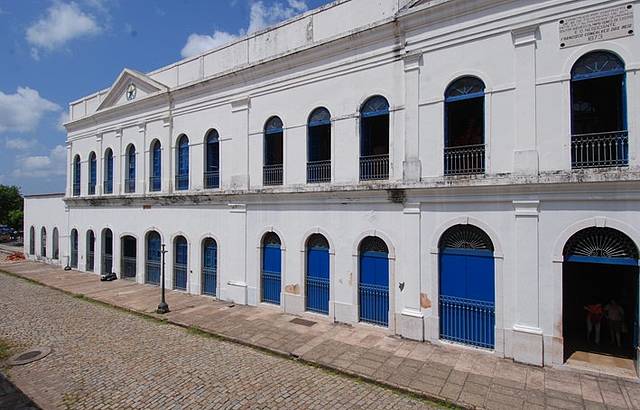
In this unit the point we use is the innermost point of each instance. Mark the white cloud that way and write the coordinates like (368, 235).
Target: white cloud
(19, 144)
(260, 16)
(23, 110)
(62, 23)
(199, 43)
(64, 117)
(42, 166)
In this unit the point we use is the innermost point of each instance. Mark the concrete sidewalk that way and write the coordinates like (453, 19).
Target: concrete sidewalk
(458, 375)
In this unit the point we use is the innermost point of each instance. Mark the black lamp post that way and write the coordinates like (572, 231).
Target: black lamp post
(163, 307)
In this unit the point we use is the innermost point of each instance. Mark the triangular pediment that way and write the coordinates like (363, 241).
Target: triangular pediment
(130, 86)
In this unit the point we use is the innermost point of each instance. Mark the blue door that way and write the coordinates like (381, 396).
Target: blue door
(209, 267)
(373, 288)
(271, 273)
(153, 259)
(317, 283)
(467, 296)
(180, 265)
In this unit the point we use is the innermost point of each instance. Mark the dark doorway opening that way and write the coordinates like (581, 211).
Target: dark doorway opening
(587, 284)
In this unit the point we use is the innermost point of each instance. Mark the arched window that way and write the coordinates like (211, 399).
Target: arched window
(464, 151)
(93, 170)
(271, 269)
(467, 286)
(155, 181)
(182, 164)
(130, 179)
(598, 112)
(43, 242)
(374, 139)
(108, 171)
(373, 281)
(181, 250)
(76, 175)
(107, 251)
(32, 241)
(317, 279)
(74, 249)
(91, 250)
(154, 257)
(209, 266)
(272, 172)
(54, 244)
(601, 245)
(212, 161)
(319, 146)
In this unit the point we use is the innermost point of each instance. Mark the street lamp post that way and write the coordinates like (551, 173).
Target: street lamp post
(163, 307)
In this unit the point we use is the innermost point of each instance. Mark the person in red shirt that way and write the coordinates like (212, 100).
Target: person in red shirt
(594, 320)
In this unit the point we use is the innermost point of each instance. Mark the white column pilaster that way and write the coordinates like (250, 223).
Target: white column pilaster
(410, 323)
(411, 166)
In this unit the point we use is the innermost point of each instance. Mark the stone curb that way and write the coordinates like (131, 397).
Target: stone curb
(270, 350)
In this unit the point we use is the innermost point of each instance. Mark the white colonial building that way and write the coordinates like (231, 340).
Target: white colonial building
(452, 170)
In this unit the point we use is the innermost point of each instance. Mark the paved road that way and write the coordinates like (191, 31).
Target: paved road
(105, 358)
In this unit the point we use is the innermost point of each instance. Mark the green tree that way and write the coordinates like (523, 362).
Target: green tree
(11, 204)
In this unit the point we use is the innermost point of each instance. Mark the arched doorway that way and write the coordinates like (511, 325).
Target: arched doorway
(54, 244)
(181, 249)
(107, 251)
(128, 260)
(600, 294)
(467, 287)
(152, 274)
(74, 249)
(209, 266)
(91, 243)
(373, 281)
(317, 280)
(271, 269)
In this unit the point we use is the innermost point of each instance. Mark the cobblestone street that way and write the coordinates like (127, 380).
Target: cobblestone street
(105, 358)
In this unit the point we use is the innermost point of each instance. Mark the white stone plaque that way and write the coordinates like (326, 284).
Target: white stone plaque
(605, 24)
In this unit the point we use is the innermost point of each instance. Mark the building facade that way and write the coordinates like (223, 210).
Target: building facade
(452, 171)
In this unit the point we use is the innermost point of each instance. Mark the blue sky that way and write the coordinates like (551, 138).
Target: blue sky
(56, 51)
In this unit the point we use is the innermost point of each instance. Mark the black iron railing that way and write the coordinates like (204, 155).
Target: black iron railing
(374, 167)
(212, 180)
(128, 267)
(129, 185)
(107, 187)
(604, 149)
(272, 174)
(319, 171)
(182, 182)
(92, 189)
(155, 184)
(90, 261)
(464, 160)
(76, 189)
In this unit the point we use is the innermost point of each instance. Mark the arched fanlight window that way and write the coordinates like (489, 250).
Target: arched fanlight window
(374, 139)
(130, 180)
(108, 171)
(601, 245)
(43, 242)
(373, 244)
(272, 173)
(212, 160)
(465, 236)
(182, 163)
(155, 182)
(317, 241)
(598, 111)
(76, 175)
(55, 248)
(271, 238)
(319, 146)
(464, 127)
(93, 173)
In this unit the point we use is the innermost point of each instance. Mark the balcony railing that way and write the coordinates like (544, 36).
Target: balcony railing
(130, 185)
(92, 189)
(107, 187)
(374, 167)
(90, 261)
(604, 149)
(272, 174)
(128, 267)
(182, 182)
(155, 184)
(153, 272)
(464, 160)
(76, 189)
(319, 171)
(212, 180)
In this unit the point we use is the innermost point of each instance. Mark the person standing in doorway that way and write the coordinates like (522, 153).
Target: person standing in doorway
(615, 316)
(594, 321)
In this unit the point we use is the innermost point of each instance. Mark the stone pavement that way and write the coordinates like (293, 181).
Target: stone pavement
(458, 375)
(12, 398)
